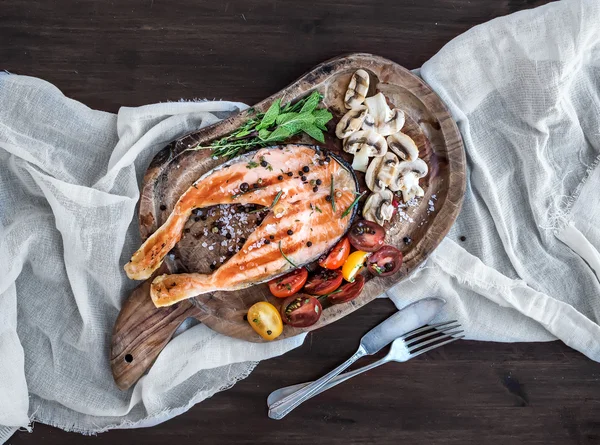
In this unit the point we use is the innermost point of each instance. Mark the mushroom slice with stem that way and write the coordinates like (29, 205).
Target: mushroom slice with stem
(382, 119)
(378, 207)
(360, 161)
(382, 172)
(357, 89)
(403, 146)
(351, 122)
(364, 144)
(369, 140)
(407, 179)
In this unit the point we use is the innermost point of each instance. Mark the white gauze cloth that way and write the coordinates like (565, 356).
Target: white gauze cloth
(525, 91)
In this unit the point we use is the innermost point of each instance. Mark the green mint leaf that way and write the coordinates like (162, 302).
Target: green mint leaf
(297, 124)
(285, 117)
(279, 134)
(320, 127)
(271, 115)
(322, 116)
(314, 133)
(251, 164)
(263, 134)
(311, 103)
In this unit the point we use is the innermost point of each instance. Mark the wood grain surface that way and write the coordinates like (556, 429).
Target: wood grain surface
(107, 54)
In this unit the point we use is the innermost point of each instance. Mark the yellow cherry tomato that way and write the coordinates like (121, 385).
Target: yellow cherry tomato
(265, 320)
(354, 264)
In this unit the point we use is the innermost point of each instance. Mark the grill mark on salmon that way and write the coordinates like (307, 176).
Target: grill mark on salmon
(256, 261)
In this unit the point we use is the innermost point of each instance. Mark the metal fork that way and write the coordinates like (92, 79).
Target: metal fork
(410, 345)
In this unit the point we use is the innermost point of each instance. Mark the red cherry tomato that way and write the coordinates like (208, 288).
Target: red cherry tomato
(323, 282)
(337, 256)
(348, 291)
(288, 284)
(386, 261)
(367, 236)
(301, 311)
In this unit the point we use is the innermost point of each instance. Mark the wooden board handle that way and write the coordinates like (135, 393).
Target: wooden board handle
(142, 331)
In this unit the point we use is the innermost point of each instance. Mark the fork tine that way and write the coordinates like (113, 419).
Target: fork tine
(445, 335)
(431, 333)
(426, 328)
(437, 345)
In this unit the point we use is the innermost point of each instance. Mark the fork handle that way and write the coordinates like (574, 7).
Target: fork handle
(283, 407)
(281, 393)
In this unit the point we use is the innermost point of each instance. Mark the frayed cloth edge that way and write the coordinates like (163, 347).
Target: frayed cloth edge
(127, 424)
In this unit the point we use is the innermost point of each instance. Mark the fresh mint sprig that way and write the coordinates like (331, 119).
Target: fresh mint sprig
(278, 124)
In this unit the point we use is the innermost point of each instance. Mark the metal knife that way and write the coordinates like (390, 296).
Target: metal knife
(405, 320)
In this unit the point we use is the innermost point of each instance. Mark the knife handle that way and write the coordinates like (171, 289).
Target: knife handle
(286, 405)
(281, 393)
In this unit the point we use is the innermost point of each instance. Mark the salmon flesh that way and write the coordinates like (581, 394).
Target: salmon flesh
(307, 194)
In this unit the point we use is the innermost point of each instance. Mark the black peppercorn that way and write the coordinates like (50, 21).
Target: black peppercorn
(213, 266)
(327, 159)
(319, 182)
(228, 235)
(197, 218)
(244, 186)
(272, 236)
(290, 174)
(203, 217)
(263, 163)
(309, 243)
(303, 178)
(290, 232)
(187, 230)
(463, 238)
(328, 198)
(163, 207)
(407, 240)
(280, 177)
(315, 189)
(255, 186)
(267, 241)
(321, 162)
(305, 169)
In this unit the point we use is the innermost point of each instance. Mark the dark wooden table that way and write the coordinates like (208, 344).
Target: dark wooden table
(132, 52)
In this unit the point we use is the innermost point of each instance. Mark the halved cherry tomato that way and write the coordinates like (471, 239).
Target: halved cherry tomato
(386, 261)
(354, 264)
(348, 291)
(288, 284)
(337, 256)
(323, 282)
(265, 320)
(301, 311)
(367, 236)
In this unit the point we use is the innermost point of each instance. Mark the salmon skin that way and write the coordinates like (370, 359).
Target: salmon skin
(304, 221)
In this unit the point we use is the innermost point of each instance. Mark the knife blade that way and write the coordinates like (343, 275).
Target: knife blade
(405, 320)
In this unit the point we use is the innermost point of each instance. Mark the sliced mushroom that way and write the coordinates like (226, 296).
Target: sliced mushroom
(360, 161)
(351, 122)
(403, 146)
(357, 89)
(378, 207)
(369, 140)
(384, 120)
(407, 179)
(382, 172)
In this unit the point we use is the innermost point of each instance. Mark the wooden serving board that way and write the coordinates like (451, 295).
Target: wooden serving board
(141, 330)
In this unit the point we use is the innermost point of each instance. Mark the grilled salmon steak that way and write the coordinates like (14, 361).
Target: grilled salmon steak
(307, 193)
